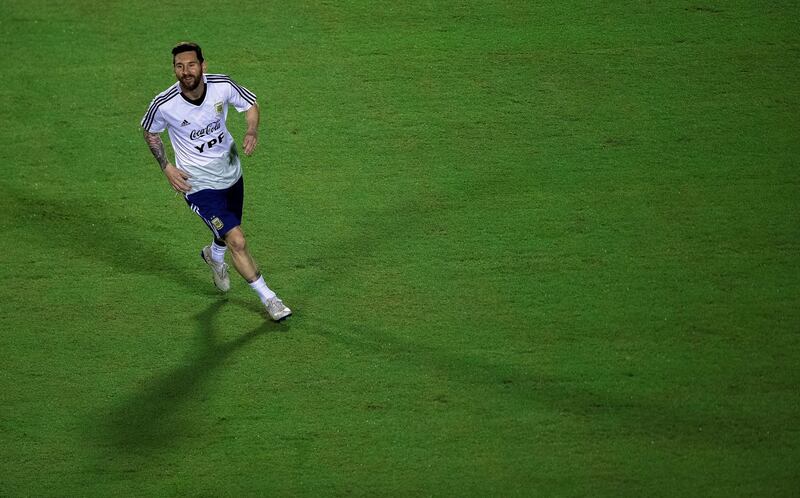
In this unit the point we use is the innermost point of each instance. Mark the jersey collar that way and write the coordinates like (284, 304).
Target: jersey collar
(199, 101)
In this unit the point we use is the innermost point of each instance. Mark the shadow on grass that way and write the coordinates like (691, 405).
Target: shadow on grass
(610, 404)
(83, 228)
(155, 416)
(609, 401)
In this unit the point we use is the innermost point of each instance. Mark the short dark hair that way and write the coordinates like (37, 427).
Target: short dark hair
(187, 47)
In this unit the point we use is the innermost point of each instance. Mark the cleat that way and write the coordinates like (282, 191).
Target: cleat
(218, 270)
(276, 309)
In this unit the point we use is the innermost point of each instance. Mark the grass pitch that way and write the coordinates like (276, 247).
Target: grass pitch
(533, 249)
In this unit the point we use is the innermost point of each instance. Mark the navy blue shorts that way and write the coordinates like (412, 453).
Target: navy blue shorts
(221, 210)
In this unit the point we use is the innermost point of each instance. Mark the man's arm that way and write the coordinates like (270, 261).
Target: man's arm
(251, 135)
(176, 177)
(157, 148)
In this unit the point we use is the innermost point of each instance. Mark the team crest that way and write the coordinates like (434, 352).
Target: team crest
(218, 107)
(217, 223)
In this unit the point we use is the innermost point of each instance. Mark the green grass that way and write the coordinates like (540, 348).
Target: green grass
(533, 250)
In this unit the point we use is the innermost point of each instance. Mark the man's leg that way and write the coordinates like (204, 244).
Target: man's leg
(240, 255)
(244, 264)
(209, 205)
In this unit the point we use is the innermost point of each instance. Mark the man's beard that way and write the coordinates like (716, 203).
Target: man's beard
(191, 86)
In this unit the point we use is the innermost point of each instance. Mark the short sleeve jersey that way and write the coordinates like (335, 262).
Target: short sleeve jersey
(203, 146)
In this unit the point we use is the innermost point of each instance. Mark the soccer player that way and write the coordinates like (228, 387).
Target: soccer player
(207, 168)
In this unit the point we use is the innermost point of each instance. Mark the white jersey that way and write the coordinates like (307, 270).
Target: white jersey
(203, 146)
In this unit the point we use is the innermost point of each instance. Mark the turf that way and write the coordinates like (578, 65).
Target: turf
(534, 249)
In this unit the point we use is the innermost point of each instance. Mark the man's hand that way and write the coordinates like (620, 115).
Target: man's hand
(250, 141)
(177, 178)
(251, 136)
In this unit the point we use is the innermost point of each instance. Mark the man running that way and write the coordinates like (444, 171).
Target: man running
(207, 168)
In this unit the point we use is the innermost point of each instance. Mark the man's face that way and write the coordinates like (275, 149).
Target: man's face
(188, 70)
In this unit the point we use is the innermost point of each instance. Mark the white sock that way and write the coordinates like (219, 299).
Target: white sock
(218, 252)
(261, 288)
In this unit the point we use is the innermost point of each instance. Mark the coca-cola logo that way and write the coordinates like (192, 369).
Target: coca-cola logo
(209, 128)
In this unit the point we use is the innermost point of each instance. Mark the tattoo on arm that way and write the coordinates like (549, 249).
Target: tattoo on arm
(156, 147)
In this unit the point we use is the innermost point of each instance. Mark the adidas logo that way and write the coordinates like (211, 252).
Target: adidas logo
(185, 123)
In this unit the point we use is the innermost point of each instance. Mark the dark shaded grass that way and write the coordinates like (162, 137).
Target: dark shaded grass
(532, 249)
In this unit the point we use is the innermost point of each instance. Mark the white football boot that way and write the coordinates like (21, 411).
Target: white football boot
(276, 309)
(218, 270)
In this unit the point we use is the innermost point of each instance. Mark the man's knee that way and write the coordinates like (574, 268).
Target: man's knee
(235, 240)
